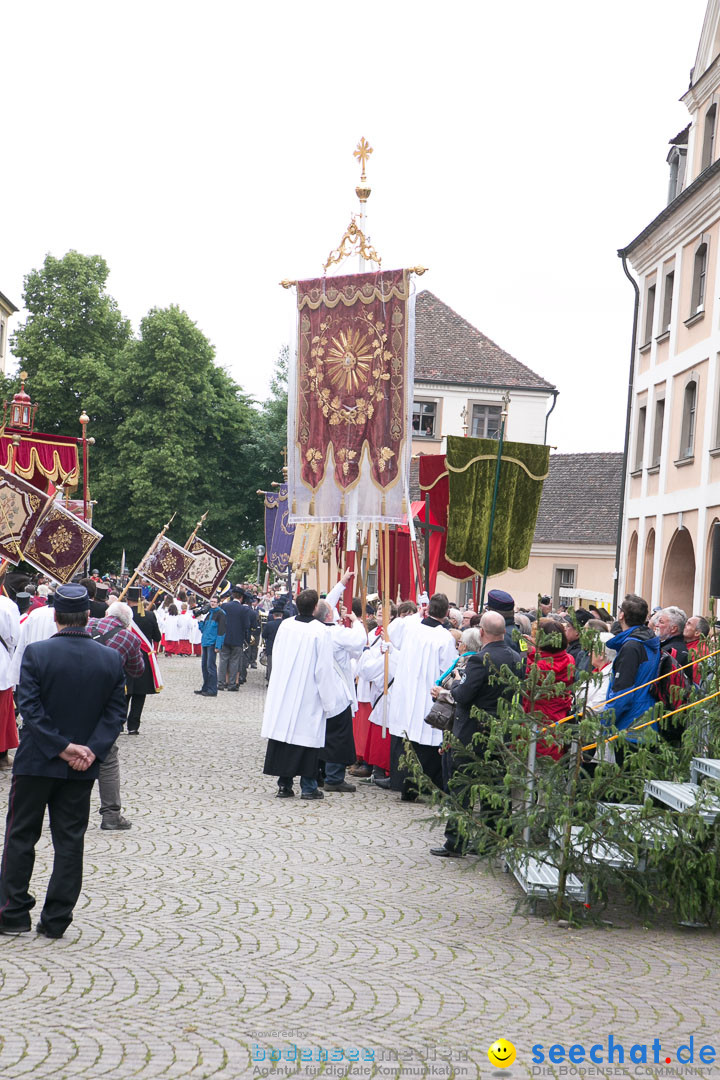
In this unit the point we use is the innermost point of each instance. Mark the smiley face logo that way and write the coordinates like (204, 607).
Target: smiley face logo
(502, 1053)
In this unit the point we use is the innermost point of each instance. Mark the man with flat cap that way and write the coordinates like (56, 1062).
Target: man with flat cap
(65, 735)
(502, 602)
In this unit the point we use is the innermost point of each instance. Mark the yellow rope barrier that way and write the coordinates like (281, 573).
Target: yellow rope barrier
(664, 716)
(691, 663)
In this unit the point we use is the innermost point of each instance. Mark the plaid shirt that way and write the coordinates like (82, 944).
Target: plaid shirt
(124, 641)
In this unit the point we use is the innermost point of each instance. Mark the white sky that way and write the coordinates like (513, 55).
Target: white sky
(205, 151)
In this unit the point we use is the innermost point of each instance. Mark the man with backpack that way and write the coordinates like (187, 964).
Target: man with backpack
(636, 663)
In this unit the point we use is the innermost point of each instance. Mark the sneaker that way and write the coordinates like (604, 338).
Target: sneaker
(13, 931)
(115, 824)
(342, 786)
(312, 795)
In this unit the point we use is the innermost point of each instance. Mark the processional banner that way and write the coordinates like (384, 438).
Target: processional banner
(21, 508)
(61, 544)
(471, 466)
(350, 399)
(279, 533)
(166, 565)
(210, 566)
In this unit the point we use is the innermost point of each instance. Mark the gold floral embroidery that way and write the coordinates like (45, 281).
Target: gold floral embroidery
(384, 455)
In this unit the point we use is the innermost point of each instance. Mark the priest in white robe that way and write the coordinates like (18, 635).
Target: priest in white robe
(301, 694)
(427, 650)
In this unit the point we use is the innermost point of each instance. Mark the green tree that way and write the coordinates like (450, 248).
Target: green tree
(181, 441)
(70, 343)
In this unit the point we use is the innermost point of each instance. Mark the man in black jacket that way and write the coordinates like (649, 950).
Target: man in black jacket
(671, 624)
(269, 630)
(237, 630)
(481, 689)
(72, 699)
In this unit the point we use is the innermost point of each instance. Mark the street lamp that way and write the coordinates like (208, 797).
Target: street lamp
(259, 551)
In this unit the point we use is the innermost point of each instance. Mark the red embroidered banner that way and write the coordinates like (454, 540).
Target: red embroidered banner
(209, 568)
(61, 544)
(166, 565)
(349, 408)
(21, 509)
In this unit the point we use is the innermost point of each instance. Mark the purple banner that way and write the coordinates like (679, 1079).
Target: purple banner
(278, 532)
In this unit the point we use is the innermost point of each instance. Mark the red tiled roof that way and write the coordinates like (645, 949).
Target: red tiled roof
(449, 349)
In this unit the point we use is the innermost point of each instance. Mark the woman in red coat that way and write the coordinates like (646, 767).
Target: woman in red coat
(557, 660)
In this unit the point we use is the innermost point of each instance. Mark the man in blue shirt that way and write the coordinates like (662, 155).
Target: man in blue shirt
(213, 637)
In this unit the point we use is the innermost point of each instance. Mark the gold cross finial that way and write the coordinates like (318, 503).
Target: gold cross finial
(362, 153)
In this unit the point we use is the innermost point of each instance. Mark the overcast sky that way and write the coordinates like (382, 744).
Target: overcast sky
(206, 152)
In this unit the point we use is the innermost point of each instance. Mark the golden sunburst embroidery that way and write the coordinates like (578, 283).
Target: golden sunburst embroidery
(349, 360)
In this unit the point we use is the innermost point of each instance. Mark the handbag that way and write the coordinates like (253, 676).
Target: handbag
(441, 715)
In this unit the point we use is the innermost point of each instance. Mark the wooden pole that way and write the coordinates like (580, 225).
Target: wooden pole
(147, 555)
(386, 620)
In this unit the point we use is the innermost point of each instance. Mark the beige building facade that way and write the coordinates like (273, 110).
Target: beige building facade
(673, 470)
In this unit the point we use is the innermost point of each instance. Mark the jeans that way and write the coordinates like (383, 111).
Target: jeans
(231, 663)
(109, 783)
(68, 804)
(308, 784)
(208, 665)
(334, 774)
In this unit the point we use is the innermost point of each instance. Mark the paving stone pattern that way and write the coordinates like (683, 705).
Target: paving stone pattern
(227, 922)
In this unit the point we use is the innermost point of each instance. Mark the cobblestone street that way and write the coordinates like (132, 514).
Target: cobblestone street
(226, 920)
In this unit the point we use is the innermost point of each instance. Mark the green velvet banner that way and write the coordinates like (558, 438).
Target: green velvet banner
(471, 467)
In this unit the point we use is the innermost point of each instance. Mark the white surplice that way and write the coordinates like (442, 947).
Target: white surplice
(302, 689)
(38, 626)
(425, 653)
(348, 644)
(10, 634)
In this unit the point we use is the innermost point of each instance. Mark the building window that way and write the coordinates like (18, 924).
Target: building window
(424, 419)
(485, 422)
(687, 440)
(564, 579)
(667, 301)
(640, 438)
(649, 313)
(699, 274)
(708, 154)
(677, 159)
(658, 432)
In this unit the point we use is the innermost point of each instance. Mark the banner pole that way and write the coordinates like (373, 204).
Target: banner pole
(494, 501)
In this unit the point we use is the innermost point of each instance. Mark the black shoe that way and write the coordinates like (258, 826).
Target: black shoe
(116, 824)
(13, 931)
(198, 691)
(233, 689)
(253, 665)
(381, 782)
(133, 731)
(446, 853)
(343, 786)
(313, 795)
(285, 793)
(408, 798)
(208, 693)
(42, 929)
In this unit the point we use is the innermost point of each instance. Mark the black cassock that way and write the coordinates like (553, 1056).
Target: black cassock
(339, 746)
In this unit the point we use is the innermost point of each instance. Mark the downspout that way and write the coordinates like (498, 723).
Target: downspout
(547, 414)
(626, 448)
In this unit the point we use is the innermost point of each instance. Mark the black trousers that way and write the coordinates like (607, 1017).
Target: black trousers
(68, 805)
(136, 704)
(430, 761)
